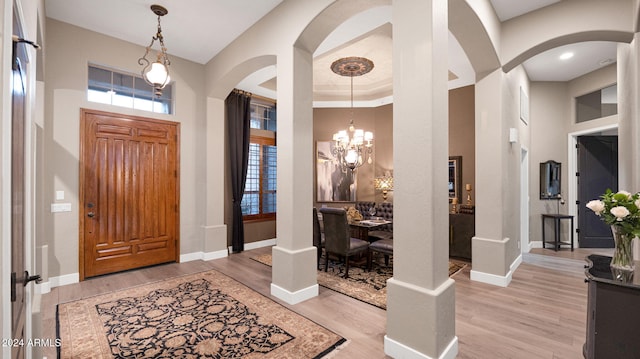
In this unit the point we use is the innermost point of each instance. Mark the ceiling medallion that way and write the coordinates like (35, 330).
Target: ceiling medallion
(352, 66)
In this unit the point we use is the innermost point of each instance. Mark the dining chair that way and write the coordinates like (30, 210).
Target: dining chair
(318, 236)
(337, 236)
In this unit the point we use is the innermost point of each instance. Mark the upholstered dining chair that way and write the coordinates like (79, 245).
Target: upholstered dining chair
(383, 246)
(318, 236)
(338, 239)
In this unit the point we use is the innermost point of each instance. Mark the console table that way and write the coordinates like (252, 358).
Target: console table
(556, 230)
(613, 318)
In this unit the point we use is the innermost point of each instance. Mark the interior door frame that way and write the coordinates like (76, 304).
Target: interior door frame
(572, 159)
(525, 244)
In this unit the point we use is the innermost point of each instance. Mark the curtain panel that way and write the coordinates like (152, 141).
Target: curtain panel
(238, 114)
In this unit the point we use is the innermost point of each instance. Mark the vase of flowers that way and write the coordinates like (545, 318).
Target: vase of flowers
(620, 211)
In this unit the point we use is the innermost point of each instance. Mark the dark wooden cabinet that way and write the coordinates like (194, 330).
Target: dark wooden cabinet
(462, 227)
(613, 313)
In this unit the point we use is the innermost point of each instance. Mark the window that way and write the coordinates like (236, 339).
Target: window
(597, 104)
(259, 200)
(126, 90)
(263, 115)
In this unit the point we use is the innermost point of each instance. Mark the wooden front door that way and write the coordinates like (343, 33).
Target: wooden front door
(129, 192)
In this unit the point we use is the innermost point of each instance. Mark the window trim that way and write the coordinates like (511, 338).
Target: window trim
(132, 92)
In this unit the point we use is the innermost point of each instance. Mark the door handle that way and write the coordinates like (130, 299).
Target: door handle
(91, 214)
(29, 278)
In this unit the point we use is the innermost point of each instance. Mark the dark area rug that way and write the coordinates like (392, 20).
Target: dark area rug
(202, 315)
(369, 287)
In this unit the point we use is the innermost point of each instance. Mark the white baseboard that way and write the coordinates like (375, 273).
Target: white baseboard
(64, 280)
(294, 297)
(535, 244)
(215, 255)
(258, 244)
(398, 350)
(501, 281)
(42, 287)
(195, 256)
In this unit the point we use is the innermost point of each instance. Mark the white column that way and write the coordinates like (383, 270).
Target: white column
(489, 245)
(628, 126)
(294, 277)
(420, 296)
(215, 231)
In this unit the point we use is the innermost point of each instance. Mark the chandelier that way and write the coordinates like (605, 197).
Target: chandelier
(156, 74)
(353, 145)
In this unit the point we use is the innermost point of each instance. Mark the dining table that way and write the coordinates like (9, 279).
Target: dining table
(360, 229)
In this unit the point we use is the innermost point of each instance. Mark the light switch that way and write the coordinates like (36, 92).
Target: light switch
(59, 195)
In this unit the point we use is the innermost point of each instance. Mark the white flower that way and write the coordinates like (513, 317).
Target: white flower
(597, 206)
(637, 203)
(620, 212)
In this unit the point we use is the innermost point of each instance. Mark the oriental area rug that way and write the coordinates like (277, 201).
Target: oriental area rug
(202, 315)
(367, 286)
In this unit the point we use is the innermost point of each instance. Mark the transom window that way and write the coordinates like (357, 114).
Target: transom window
(263, 115)
(127, 90)
(597, 104)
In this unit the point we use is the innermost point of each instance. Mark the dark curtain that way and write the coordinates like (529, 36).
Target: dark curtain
(238, 111)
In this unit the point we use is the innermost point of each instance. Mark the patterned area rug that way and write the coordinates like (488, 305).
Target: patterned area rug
(202, 315)
(369, 287)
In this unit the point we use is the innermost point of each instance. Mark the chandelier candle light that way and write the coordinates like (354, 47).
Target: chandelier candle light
(352, 145)
(384, 184)
(156, 74)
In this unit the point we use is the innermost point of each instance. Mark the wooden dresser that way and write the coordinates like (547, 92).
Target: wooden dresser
(462, 227)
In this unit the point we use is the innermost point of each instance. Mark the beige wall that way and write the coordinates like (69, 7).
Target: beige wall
(380, 120)
(553, 118)
(65, 90)
(462, 134)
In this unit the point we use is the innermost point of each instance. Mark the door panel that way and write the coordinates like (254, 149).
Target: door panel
(129, 215)
(18, 305)
(598, 169)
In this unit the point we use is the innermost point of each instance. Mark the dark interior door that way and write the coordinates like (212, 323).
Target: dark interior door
(598, 170)
(18, 308)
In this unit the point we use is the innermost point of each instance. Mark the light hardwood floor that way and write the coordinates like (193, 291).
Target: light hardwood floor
(541, 314)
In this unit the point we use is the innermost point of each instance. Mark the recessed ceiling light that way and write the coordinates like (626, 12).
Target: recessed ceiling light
(566, 56)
